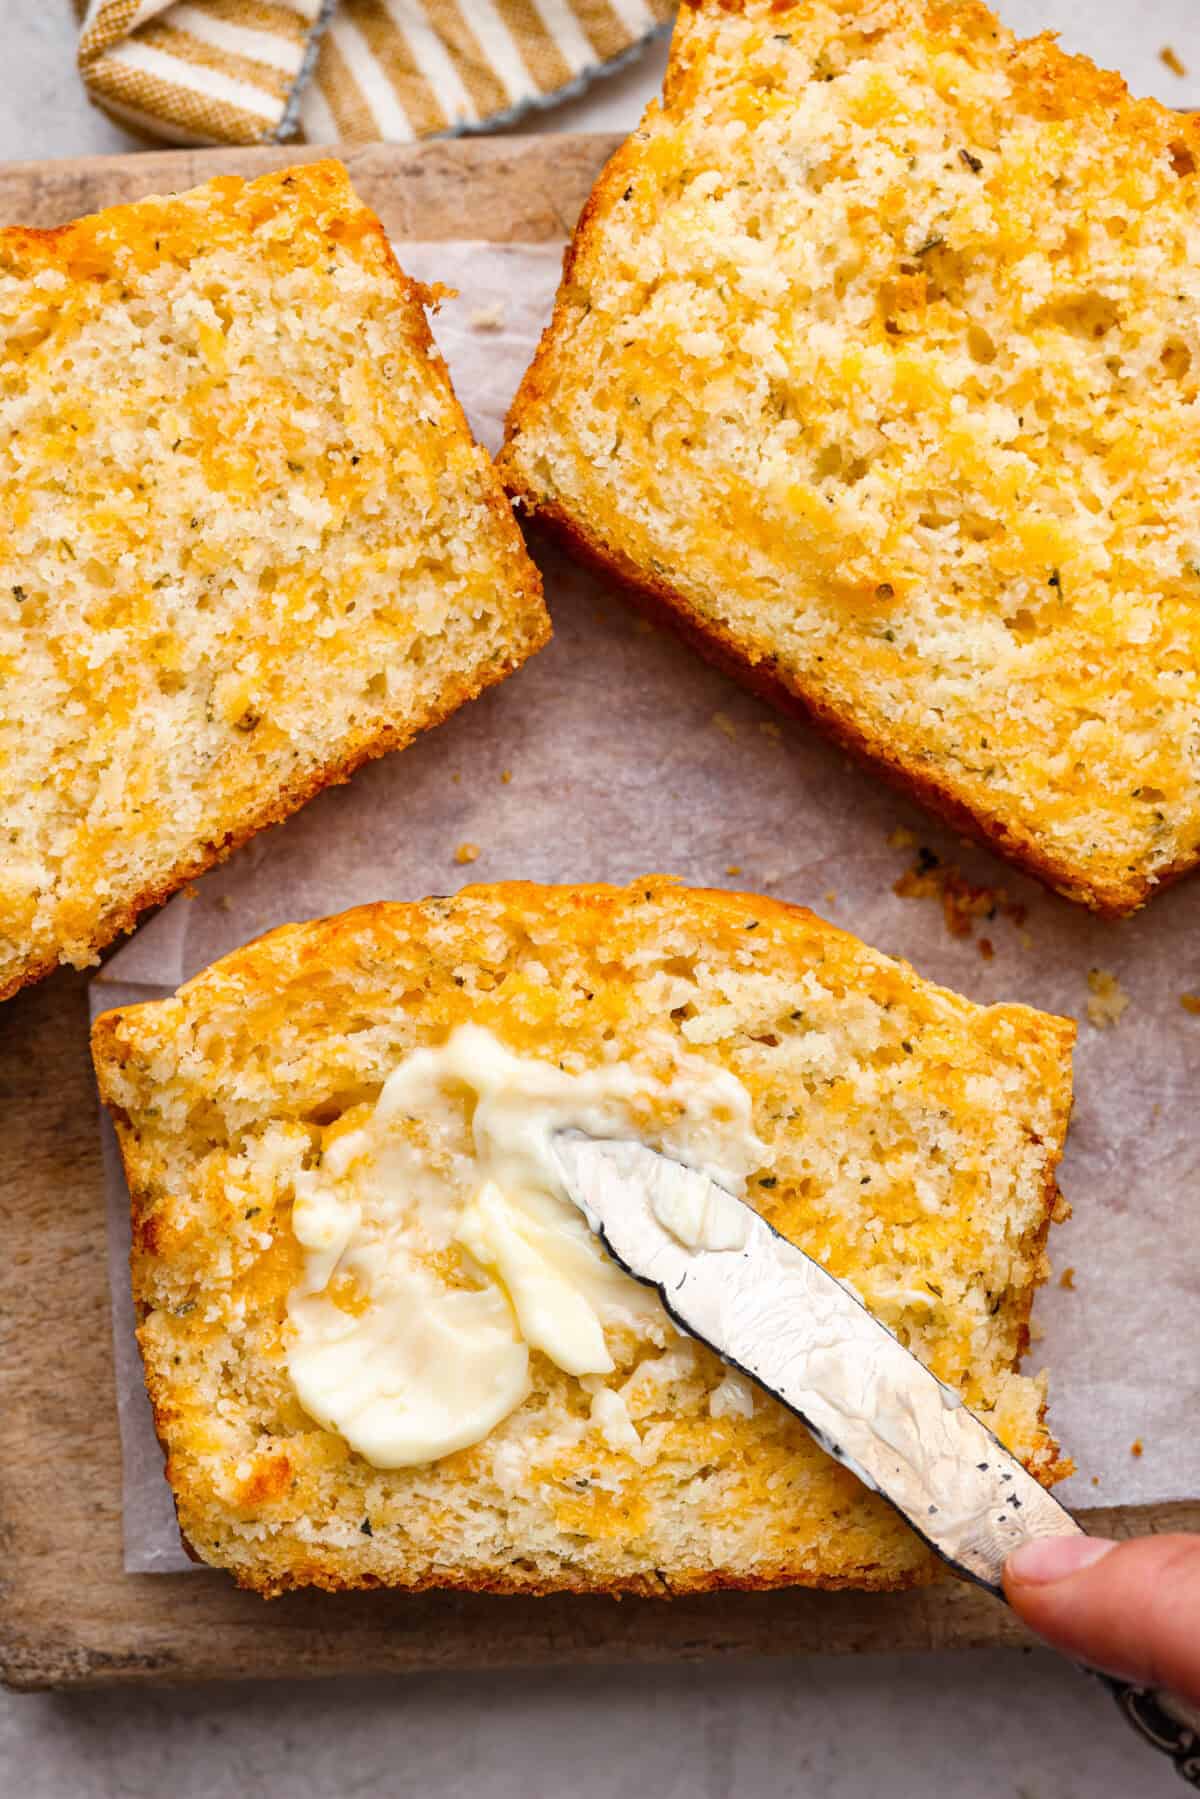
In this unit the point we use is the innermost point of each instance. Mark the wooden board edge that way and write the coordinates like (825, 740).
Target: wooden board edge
(303, 1636)
(491, 188)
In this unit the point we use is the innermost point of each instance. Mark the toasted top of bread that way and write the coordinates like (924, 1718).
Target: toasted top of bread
(248, 540)
(876, 364)
(909, 1139)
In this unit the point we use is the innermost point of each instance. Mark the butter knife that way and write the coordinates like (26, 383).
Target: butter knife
(728, 1278)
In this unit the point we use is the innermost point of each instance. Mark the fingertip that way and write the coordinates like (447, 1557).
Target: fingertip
(1044, 1560)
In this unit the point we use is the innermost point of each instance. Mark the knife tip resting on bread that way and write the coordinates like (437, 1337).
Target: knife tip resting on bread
(872, 371)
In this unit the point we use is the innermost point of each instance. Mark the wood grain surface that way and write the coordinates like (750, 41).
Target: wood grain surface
(69, 1615)
(521, 190)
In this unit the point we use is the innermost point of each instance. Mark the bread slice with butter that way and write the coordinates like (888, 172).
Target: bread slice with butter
(325, 1134)
(248, 541)
(874, 370)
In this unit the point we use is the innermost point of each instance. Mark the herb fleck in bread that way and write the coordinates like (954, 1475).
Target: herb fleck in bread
(248, 541)
(912, 1140)
(875, 369)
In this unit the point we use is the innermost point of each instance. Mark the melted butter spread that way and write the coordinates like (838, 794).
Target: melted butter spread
(704, 1219)
(441, 1247)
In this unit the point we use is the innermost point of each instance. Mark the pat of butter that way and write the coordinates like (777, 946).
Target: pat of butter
(554, 1315)
(422, 1372)
(457, 1155)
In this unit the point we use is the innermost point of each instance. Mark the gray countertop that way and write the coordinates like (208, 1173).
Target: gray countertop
(990, 1725)
(995, 1725)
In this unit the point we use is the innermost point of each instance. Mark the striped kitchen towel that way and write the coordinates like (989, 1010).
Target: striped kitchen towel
(261, 71)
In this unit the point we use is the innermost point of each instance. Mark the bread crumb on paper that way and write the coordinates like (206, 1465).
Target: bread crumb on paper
(987, 948)
(1173, 61)
(1137, 1447)
(505, 776)
(487, 318)
(724, 724)
(733, 868)
(467, 852)
(1107, 999)
(1190, 1003)
(1067, 1279)
(830, 896)
(962, 901)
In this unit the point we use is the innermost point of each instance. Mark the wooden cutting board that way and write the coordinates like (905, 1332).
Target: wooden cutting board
(69, 1615)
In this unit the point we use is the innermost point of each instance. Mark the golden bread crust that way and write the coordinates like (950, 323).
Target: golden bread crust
(767, 678)
(279, 1038)
(273, 811)
(704, 563)
(237, 359)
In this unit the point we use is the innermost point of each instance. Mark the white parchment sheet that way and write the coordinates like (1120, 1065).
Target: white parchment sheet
(628, 755)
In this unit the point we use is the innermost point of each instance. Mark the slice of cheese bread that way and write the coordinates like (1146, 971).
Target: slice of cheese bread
(247, 540)
(875, 368)
(906, 1137)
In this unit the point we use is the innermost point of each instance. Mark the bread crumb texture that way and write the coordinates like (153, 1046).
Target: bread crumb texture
(247, 540)
(911, 1136)
(876, 367)
(963, 902)
(1107, 1000)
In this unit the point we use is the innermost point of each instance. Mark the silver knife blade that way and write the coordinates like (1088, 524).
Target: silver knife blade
(727, 1277)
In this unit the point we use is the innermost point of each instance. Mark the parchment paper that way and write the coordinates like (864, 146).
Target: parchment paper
(628, 755)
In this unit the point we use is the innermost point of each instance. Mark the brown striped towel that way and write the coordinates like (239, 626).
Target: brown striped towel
(260, 71)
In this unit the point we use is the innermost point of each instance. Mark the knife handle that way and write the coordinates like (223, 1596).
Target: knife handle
(774, 1313)
(1161, 1719)
(1168, 1723)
